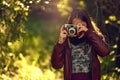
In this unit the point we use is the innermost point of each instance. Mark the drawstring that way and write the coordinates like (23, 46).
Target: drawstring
(69, 43)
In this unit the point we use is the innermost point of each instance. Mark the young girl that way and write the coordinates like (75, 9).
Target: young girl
(78, 54)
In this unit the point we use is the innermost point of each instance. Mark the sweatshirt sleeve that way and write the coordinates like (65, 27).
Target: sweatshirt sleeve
(57, 58)
(100, 46)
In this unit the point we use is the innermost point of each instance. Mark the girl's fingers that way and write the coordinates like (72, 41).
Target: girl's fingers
(64, 32)
(62, 28)
(80, 29)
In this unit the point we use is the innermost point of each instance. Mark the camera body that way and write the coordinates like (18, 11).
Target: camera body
(71, 29)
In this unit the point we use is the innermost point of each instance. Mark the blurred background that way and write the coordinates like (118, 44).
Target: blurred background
(30, 28)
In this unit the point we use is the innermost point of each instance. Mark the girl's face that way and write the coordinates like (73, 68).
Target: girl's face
(81, 26)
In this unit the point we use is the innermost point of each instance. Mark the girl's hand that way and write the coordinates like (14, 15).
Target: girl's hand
(81, 29)
(63, 35)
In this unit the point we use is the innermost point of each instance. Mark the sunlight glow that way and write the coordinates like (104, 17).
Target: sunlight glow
(9, 43)
(112, 18)
(104, 77)
(10, 54)
(38, 1)
(16, 8)
(17, 2)
(46, 2)
(118, 69)
(30, 2)
(107, 21)
(27, 8)
(60, 6)
(112, 52)
(63, 7)
(115, 46)
(113, 59)
(21, 4)
(5, 3)
(118, 21)
(2, 30)
(82, 3)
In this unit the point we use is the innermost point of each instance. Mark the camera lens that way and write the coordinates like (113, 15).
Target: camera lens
(72, 31)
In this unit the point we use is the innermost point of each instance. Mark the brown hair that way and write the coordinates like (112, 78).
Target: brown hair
(83, 15)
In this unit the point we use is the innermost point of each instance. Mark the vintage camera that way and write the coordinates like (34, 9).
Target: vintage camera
(71, 29)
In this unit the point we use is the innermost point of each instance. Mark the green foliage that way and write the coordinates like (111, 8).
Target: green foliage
(13, 14)
(37, 48)
(13, 47)
(63, 7)
(109, 71)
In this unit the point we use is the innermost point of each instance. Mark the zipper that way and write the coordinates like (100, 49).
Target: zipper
(70, 47)
(91, 63)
